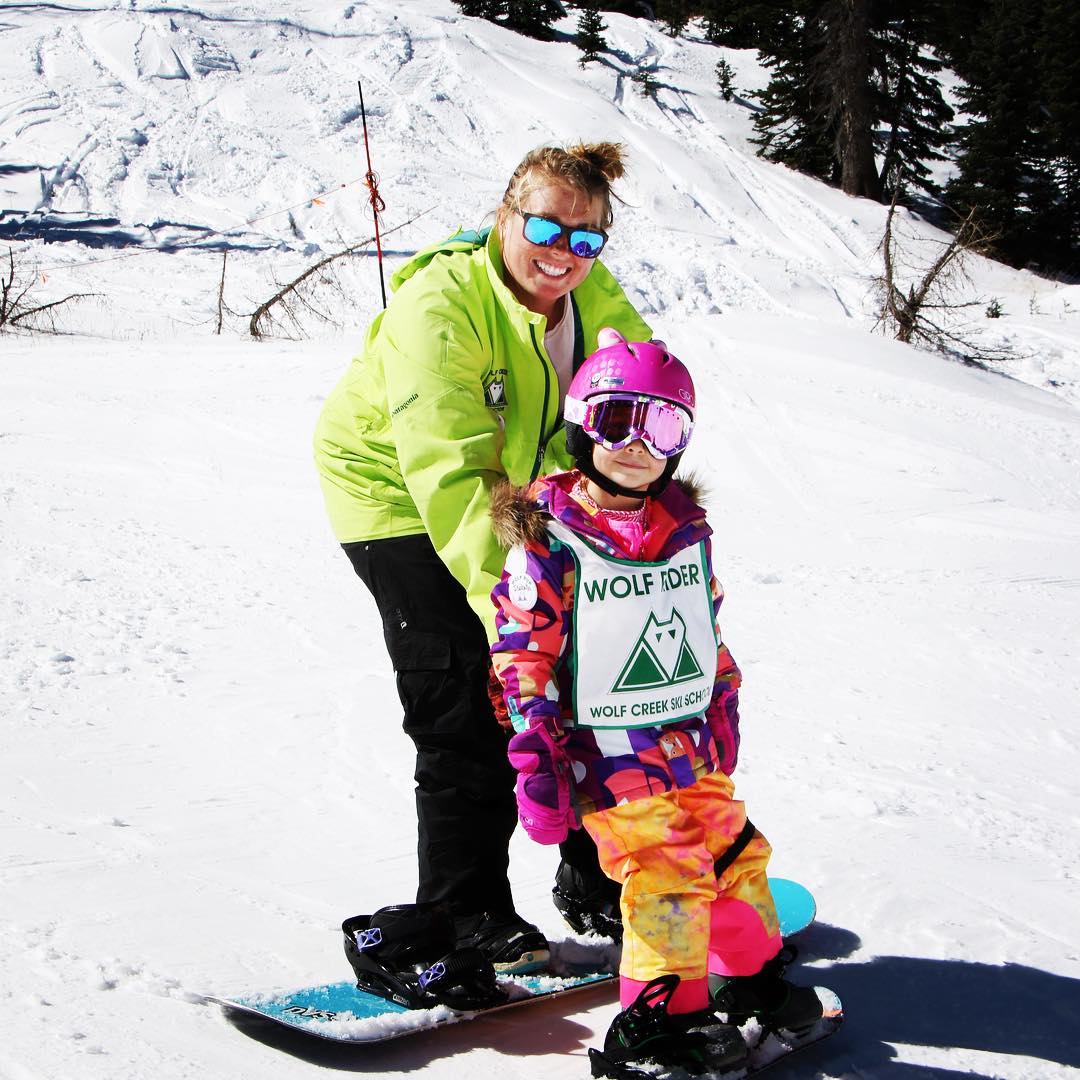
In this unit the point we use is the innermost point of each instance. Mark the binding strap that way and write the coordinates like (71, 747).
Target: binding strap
(464, 979)
(737, 847)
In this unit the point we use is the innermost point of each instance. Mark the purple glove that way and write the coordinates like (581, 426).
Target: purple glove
(543, 785)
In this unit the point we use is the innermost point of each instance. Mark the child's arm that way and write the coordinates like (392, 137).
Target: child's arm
(526, 657)
(722, 712)
(530, 620)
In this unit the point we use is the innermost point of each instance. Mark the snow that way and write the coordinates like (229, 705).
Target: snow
(203, 771)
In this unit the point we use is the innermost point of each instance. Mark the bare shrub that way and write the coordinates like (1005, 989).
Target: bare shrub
(925, 308)
(20, 308)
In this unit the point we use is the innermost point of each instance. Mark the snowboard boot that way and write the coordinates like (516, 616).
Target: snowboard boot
(512, 945)
(645, 1034)
(407, 953)
(768, 997)
(589, 904)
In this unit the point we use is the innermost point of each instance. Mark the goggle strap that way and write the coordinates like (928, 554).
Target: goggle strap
(575, 410)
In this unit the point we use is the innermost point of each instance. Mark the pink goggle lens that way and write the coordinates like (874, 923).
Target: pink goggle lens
(615, 422)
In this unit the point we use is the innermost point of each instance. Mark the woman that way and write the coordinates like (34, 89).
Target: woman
(460, 385)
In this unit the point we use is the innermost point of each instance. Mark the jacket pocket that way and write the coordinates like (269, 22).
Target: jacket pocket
(417, 650)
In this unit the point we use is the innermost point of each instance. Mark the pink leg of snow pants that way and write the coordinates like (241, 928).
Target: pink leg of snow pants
(677, 918)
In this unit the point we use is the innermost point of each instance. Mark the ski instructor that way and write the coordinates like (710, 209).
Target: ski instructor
(460, 384)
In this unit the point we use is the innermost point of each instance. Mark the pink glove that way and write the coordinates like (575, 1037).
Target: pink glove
(545, 807)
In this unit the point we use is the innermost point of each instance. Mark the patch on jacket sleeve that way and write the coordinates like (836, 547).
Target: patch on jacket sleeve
(522, 590)
(495, 389)
(520, 587)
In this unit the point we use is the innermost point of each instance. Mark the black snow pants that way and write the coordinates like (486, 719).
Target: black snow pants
(465, 804)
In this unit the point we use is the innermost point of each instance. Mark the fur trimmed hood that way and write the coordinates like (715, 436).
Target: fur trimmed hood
(515, 515)
(521, 514)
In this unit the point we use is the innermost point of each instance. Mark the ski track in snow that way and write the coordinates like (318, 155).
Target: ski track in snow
(203, 770)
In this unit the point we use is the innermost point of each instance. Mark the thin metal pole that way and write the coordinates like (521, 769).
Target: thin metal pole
(372, 181)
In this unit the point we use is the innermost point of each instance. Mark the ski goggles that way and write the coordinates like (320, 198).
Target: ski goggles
(542, 231)
(617, 420)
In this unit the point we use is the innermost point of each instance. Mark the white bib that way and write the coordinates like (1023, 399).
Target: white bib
(644, 637)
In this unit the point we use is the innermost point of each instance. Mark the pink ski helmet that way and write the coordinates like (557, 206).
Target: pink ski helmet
(627, 391)
(633, 367)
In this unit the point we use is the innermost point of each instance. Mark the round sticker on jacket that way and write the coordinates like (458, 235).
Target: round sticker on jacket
(522, 590)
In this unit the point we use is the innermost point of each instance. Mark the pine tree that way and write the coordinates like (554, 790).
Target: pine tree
(590, 30)
(724, 76)
(481, 9)
(646, 82)
(742, 24)
(841, 61)
(1059, 77)
(533, 17)
(719, 27)
(674, 14)
(954, 28)
(793, 126)
(912, 116)
(852, 84)
(1005, 150)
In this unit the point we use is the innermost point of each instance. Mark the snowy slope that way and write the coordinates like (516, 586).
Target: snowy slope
(213, 127)
(203, 771)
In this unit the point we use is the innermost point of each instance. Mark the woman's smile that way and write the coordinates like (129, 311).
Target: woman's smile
(550, 270)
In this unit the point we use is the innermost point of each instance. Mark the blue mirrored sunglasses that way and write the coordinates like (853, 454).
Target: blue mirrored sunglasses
(585, 243)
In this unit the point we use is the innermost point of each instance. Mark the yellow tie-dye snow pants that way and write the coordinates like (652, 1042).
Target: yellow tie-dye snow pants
(677, 917)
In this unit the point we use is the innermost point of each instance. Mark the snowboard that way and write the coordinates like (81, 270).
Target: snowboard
(795, 905)
(341, 1012)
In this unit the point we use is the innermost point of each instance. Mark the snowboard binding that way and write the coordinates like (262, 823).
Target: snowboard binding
(589, 904)
(778, 1005)
(646, 1041)
(406, 953)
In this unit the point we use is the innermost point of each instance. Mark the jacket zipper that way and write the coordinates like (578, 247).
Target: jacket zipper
(541, 446)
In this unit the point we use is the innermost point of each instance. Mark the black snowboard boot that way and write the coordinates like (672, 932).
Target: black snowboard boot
(646, 1034)
(768, 997)
(512, 945)
(407, 953)
(589, 903)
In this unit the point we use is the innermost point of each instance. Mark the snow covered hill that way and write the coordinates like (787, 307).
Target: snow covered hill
(203, 771)
(234, 126)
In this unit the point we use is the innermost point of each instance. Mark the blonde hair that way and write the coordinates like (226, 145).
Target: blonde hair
(589, 167)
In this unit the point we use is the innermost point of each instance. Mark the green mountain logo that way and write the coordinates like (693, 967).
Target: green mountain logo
(660, 657)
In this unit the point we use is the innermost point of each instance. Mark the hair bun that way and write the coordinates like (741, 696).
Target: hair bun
(589, 167)
(605, 158)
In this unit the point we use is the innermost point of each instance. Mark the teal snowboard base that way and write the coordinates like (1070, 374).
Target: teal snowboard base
(343, 1013)
(794, 904)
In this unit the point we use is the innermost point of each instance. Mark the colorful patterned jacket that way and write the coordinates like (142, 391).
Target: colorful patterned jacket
(534, 649)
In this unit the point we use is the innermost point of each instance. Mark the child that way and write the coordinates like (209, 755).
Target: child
(624, 702)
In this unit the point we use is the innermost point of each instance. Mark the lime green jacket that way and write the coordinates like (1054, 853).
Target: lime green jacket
(452, 392)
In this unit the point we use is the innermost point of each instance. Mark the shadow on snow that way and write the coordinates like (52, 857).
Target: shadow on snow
(1008, 1009)
(109, 232)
